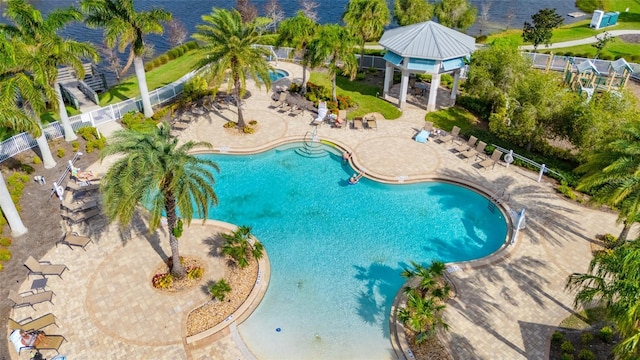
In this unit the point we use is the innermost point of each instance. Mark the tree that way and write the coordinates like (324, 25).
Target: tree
(176, 32)
(298, 32)
(247, 10)
(407, 12)
(240, 246)
(603, 40)
(613, 282)
(127, 28)
(273, 11)
(309, 9)
(228, 44)
(156, 172)
(333, 44)
(366, 19)
(457, 14)
(612, 175)
(544, 21)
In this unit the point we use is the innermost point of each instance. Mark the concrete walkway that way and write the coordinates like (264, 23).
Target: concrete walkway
(506, 308)
(589, 40)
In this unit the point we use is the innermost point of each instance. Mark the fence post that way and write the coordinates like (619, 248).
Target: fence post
(542, 168)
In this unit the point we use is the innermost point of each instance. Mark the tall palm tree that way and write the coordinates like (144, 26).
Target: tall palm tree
(155, 172)
(229, 46)
(127, 28)
(334, 44)
(298, 32)
(612, 174)
(366, 19)
(41, 34)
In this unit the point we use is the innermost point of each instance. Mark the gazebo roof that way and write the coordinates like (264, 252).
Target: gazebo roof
(428, 40)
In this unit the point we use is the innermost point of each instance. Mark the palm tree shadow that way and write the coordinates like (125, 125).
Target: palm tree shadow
(215, 243)
(139, 227)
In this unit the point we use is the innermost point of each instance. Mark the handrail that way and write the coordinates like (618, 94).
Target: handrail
(529, 161)
(88, 92)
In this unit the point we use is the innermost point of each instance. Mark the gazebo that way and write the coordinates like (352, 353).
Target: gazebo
(425, 48)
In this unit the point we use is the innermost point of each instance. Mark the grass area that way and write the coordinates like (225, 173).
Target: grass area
(364, 95)
(584, 319)
(455, 116)
(158, 77)
(615, 48)
(51, 116)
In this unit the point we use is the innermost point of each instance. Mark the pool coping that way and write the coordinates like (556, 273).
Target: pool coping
(397, 333)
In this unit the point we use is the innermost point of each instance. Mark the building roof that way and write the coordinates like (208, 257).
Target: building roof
(428, 40)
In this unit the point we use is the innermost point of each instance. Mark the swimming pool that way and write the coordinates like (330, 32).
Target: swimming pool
(337, 250)
(277, 74)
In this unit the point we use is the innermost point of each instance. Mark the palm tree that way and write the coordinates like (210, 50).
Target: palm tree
(229, 46)
(422, 315)
(298, 32)
(366, 19)
(238, 246)
(612, 174)
(41, 35)
(126, 27)
(613, 281)
(157, 173)
(333, 44)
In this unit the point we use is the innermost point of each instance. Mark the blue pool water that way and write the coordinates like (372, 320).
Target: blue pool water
(277, 74)
(337, 250)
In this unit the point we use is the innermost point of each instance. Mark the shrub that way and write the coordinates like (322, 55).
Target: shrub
(557, 337)
(372, 70)
(248, 130)
(61, 153)
(566, 357)
(136, 121)
(360, 76)
(88, 133)
(5, 254)
(148, 67)
(36, 160)
(586, 338)
(567, 347)
(609, 240)
(163, 59)
(586, 354)
(606, 334)
(194, 89)
(253, 123)
(75, 146)
(229, 125)
(568, 53)
(5, 241)
(566, 190)
(162, 281)
(219, 290)
(481, 39)
(160, 114)
(26, 168)
(477, 106)
(1, 267)
(635, 58)
(195, 272)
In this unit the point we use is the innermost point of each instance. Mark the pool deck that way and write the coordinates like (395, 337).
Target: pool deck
(506, 308)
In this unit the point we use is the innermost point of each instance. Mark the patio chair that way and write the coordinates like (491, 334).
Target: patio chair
(357, 123)
(179, 126)
(281, 99)
(297, 110)
(479, 149)
(31, 299)
(372, 123)
(495, 157)
(44, 268)
(31, 324)
(47, 342)
(71, 185)
(80, 205)
(468, 146)
(286, 107)
(455, 132)
(80, 216)
(72, 238)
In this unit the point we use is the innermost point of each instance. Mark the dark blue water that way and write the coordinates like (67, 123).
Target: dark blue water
(189, 12)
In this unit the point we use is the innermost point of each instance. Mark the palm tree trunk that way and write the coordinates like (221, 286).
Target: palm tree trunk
(624, 233)
(45, 151)
(9, 210)
(138, 66)
(236, 85)
(334, 92)
(361, 55)
(69, 135)
(304, 79)
(177, 269)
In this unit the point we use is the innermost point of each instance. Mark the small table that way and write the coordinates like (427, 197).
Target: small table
(39, 284)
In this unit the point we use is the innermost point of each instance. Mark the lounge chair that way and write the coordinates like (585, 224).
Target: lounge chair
(31, 299)
(322, 114)
(455, 132)
(495, 157)
(31, 324)
(179, 126)
(428, 126)
(281, 99)
(372, 123)
(80, 205)
(44, 268)
(285, 108)
(72, 238)
(475, 152)
(48, 342)
(422, 136)
(297, 110)
(80, 216)
(468, 146)
(82, 186)
(357, 123)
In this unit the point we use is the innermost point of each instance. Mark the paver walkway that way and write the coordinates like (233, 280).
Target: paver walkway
(506, 307)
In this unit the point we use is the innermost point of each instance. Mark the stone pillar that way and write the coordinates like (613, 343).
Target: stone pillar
(404, 86)
(388, 78)
(456, 80)
(433, 92)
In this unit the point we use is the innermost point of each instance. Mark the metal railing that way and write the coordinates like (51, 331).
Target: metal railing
(541, 167)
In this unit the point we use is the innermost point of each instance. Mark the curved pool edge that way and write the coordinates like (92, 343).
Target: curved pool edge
(247, 307)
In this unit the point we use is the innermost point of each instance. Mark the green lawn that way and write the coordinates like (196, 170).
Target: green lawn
(446, 119)
(364, 95)
(156, 78)
(613, 49)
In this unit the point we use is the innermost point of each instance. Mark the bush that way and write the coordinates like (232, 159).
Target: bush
(566, 190)
(195, 273)
(194, 89)
(5, 241)
(219, 290)
(26, 168)
(5, 254)
(36, 160)
(635, 58)
(477, 106)
(481, 39)
(248, 130)
(229, 125)
(566, 357)
(557, 337)
(162, 281)
(360, 76)
(586, 338)
(136, 121)
(585, 354)
(609, 240)
(75, 146)
(568, 53)
(606, 334)
(61, 153)
(253, 123)
(567, 347)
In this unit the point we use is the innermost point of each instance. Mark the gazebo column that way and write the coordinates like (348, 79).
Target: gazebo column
(388, 77)
(433, 92)
(404, 86)
(456, 80)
